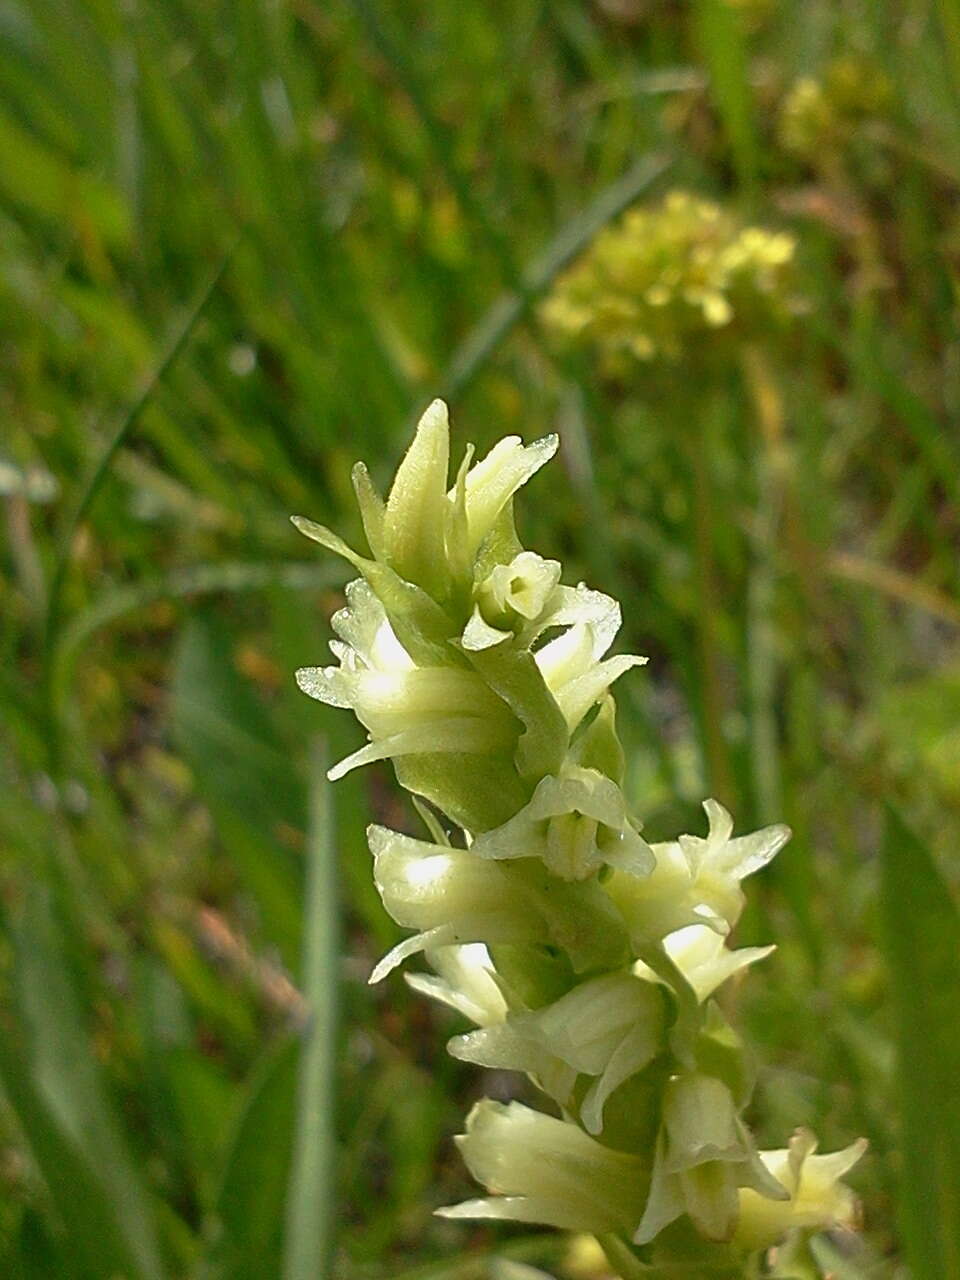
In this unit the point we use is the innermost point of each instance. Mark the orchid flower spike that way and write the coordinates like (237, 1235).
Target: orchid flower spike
(579, 954)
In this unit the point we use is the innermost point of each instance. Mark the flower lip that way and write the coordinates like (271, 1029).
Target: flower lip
(816, 1199)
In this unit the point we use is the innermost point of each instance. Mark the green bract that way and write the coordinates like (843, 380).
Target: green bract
(584, 956)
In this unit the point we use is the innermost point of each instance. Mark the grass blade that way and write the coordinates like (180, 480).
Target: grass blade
(250, 1202)
(312, 1194)
(194, 580)
(949, 14)
(481, 342)
(724, 51)
(392, 48)
(101, 467)
(921, 930)
(243, 772)
(84, 1210)
(65, 1109)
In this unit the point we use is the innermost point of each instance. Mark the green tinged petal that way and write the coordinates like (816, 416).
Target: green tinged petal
(466, 980)
(479, 635)
(704, 1154)
(547, 1171)
(413, 526)
(372, 510)
(419, 622)
(814, 1197)
(615, 1020)
(598, 745)
(492, 482)
(575, 824)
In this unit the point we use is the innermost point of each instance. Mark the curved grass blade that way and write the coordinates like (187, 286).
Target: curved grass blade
(510, 308)
(243, 772)
(88, 1230)
(101, 467)
(195, 580)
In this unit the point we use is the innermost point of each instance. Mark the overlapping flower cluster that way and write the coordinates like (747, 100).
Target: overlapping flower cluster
(819, 118)
(586, 957)
(665, 280)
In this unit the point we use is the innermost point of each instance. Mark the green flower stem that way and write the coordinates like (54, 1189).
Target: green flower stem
(719, 768)
(778, 516)
(622, 1258)
(761, 590)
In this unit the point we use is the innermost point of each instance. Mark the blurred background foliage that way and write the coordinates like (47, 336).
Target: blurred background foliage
(241, 245)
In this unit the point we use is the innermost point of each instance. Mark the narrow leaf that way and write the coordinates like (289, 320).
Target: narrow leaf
(250, 1203)
(724, 50)
(921, 935)
(56, 1087)
(311, 1196)
(242, 770)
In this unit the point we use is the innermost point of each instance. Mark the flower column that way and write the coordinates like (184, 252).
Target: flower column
(587, 958)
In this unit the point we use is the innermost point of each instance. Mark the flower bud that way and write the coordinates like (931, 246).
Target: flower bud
(518, 592)
(545, 1170)
(490, 485)
(415, 516)
(451, 896)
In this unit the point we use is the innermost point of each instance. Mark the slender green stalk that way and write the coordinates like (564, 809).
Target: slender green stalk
(621, 1257)
(920, 925)
(948, 12)
(311, 1199)
(713, 714)
(761, 590)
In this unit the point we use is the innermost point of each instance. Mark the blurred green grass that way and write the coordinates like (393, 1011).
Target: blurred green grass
(240, 246)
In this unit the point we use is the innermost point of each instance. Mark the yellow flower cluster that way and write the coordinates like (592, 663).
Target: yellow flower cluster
(666, 279)
(818, 117)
